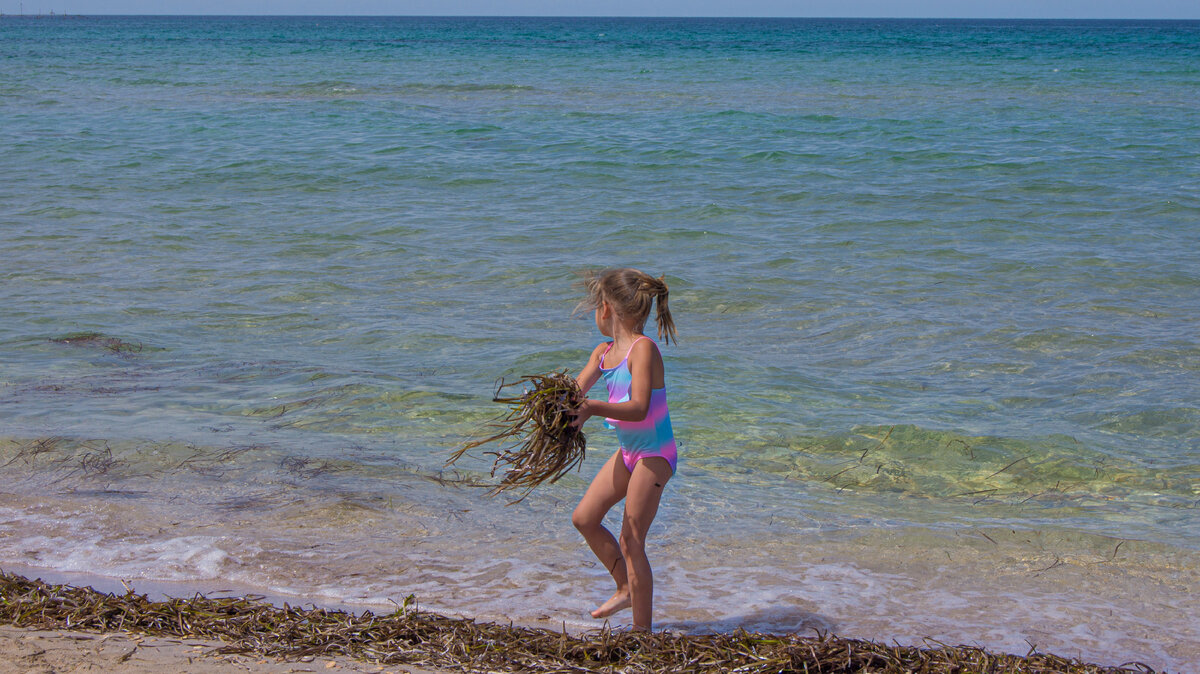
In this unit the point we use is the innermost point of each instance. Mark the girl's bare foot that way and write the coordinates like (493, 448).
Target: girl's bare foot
(617, 602)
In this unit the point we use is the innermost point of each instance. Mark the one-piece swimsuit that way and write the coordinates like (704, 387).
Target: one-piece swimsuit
(639, 439)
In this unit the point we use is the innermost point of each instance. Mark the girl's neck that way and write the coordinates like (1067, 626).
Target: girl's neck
(622, 345)
(624, 336)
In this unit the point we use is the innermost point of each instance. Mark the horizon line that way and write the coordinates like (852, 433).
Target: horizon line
(52, 13)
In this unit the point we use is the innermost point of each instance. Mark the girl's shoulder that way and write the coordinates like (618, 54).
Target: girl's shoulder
(645, 358)
(645, 347)
(600, 349)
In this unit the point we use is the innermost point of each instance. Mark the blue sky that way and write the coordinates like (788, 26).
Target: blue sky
(1148, 9)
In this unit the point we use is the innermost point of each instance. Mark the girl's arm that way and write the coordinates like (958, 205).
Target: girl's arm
(591, 372)
(644, 362)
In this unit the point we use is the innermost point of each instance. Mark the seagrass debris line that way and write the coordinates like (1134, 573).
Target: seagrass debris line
(415, 637)
(546, 446)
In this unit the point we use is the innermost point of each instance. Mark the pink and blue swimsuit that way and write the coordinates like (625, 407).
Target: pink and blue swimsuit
(639, 439)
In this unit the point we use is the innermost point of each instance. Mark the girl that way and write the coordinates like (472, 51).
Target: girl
(637, 409)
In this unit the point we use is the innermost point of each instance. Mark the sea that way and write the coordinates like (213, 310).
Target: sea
(936, 282)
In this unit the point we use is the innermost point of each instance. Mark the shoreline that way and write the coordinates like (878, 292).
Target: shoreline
(165, 590)
(61, 623)
(160, 590)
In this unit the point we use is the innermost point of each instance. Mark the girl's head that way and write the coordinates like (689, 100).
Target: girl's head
(631, 294)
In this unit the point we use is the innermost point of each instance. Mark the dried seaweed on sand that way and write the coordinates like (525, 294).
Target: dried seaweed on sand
(414, 637)
(546, 445)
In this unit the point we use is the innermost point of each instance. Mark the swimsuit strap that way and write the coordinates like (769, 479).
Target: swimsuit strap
(606, 350)
(610, 346)
(632, 345)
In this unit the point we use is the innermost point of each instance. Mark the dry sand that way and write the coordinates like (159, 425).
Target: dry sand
(26, 651)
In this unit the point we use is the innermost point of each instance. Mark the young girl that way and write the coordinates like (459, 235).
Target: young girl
(632, 367)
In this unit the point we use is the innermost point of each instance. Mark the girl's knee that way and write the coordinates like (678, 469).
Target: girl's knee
(584, 520)
(631, 544)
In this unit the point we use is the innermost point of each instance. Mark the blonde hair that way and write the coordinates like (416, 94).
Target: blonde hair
(631, 294)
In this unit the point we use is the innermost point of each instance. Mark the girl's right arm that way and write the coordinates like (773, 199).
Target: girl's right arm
(591, 372)
(589, 376)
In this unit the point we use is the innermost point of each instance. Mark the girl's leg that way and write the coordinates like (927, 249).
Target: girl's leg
(645, 488)
(607, 488)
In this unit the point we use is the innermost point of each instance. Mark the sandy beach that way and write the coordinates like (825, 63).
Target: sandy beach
(64, 628)
(31, 651)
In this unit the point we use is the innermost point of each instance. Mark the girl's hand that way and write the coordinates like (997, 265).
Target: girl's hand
(583, 413)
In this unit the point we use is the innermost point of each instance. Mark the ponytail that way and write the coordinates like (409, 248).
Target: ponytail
(657, 288)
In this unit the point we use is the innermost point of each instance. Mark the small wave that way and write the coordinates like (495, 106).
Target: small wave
(789, 197)
(741, 113)
(392, 149)
(787, 155)
(468, 87)
(472, 130)
(181, 558)
(672, 154)
(325, 89)
(712, 211)
(145, 81)
(470, 181)
(60, 212)
(773, 156)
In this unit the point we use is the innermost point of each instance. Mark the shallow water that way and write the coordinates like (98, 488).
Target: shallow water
(935, 283)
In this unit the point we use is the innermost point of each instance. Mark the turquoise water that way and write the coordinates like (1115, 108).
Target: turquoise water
(936, 285)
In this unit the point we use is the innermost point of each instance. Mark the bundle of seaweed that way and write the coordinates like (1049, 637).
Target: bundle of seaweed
(414, 637)
(548, 446)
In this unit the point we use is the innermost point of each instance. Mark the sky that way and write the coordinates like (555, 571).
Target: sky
(1033, 9)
